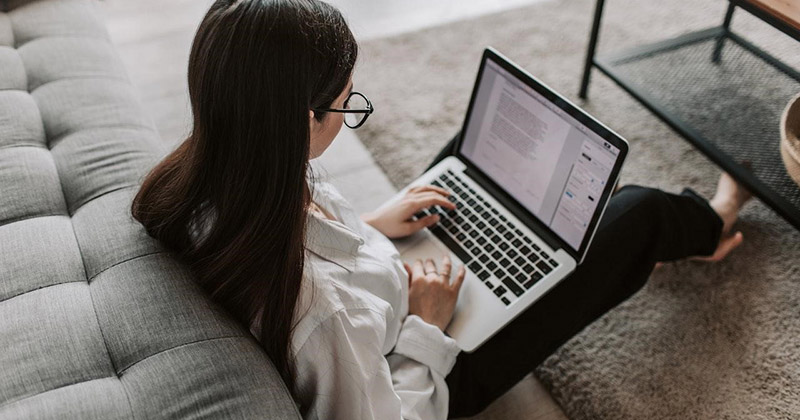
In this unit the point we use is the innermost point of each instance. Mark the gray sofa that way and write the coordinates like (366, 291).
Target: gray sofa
(96, 319)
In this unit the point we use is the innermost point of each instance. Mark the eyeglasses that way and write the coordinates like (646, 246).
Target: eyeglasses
(356, 110)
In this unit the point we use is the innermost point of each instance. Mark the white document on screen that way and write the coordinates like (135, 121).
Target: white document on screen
(520, 143)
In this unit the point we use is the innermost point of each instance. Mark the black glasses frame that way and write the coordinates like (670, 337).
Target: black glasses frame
(366, 111)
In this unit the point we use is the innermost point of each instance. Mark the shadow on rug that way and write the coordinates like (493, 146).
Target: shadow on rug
(699, 341)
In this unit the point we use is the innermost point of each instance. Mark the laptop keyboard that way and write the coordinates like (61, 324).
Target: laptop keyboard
(506, 260)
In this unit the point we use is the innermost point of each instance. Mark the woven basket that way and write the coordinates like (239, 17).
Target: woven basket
(790, 138)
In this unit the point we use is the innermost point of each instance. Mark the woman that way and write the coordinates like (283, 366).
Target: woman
(352, 331)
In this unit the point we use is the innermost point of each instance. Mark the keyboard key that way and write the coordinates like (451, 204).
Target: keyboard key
(501, 229)
(479, 208)
(516, 242)
(513, 286)
(513, 270)
(553, 262)
(489, 247)
(469, 244)
(486, 215)
(474, 266)
(528, 268)
(460, 252)
(474, 233)
(544, 255)
(505, 300)
(525, 251)
(484, 258)
(496, 255)
(500, 290)
(527, 240)
(521, 278)
(480, 225)
(461, 237)
(504, 262)
(503, 218)
(476, 250)
(483, 275)
(512, 253)
(509, 235)
(481, 241)
(458, 220)
(473, 218)
(534, 278)
(544, 267)
(520, 261)
(519, 232)
(536, 247)
(496, 239)
(471, 202)
(489, 285)
(492, 265)
(504, 246)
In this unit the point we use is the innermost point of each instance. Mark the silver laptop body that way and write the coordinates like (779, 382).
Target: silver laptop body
(531, 178)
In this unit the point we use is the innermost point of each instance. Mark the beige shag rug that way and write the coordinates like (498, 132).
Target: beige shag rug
(699, 341)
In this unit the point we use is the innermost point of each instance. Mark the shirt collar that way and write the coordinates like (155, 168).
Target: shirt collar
(332, 241)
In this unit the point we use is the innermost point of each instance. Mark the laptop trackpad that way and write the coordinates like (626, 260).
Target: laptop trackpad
(423, 245)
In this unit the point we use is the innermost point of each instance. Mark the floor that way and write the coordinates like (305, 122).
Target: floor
(153, 38)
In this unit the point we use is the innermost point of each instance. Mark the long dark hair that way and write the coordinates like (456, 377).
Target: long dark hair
(232, 199)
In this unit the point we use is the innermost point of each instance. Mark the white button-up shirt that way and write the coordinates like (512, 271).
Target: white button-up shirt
(359, 354)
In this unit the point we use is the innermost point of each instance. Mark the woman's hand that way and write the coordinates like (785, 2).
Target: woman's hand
(431, 294)
(395, 221)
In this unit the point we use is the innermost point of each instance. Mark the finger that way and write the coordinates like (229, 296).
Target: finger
(447, 265)
(459, 280)
(433, 188)
(426, 200)
(418, 271)
(417, 225)
(430, 266)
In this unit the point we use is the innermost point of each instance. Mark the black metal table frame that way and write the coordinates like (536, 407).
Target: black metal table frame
(721, 33)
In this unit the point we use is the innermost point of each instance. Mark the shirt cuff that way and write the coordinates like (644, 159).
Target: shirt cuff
(427, 344)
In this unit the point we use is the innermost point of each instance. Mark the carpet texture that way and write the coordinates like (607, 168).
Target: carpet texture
(700, 340)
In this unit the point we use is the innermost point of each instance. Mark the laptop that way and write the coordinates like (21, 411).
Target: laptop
(531, 177)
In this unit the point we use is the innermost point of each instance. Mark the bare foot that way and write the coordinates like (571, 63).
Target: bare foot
(727, 201)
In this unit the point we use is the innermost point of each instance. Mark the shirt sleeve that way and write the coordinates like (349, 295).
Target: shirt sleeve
(343, 374)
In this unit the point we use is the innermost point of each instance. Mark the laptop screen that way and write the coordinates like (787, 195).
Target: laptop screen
(548, 161)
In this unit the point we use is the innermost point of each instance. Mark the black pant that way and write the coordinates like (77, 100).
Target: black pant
(640, 227)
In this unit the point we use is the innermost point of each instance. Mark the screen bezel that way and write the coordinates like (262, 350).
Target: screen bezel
(550, 236)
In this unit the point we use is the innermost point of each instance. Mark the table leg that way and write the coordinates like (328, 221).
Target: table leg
(726, 24)
(587, 69)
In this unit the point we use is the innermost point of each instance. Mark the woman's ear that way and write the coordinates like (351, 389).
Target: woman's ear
(313, 124)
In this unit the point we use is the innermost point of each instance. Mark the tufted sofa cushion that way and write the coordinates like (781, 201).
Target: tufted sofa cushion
(96, 319)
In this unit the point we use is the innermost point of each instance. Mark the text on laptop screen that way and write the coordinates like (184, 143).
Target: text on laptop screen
(548, 161)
